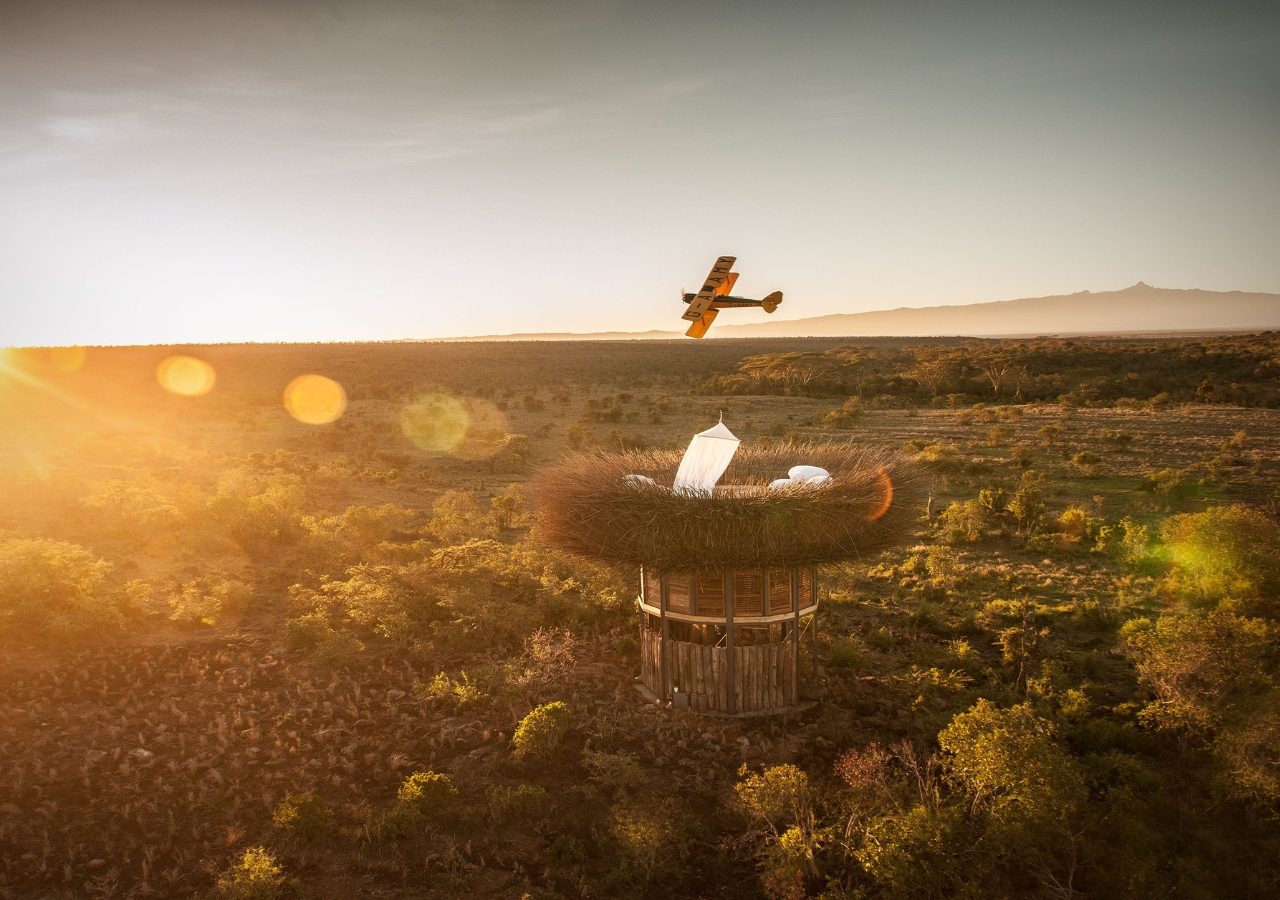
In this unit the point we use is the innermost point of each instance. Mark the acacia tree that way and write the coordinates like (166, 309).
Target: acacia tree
(934, 372)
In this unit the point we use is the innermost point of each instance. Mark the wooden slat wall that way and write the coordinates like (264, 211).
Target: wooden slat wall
(806, 588)
(748, 594)
(677, 593)
(763, 673)
(779, 591)
(711, 593)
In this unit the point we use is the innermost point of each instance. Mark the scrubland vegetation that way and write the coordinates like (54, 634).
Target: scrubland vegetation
(245, 657)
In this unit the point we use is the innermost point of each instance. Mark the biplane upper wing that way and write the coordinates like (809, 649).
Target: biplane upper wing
(718, 282)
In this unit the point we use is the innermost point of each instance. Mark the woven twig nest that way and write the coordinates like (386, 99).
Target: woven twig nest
(586, 508)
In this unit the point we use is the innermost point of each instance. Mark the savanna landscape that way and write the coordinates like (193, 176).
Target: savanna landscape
(262, 638)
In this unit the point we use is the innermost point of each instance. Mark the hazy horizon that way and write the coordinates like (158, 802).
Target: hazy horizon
(238, 171)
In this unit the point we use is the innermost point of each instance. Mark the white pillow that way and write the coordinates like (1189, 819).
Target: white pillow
(804, 473)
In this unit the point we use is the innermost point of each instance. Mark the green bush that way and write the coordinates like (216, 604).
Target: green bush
(430, 794)
(304, 815)
(458, 692)
(208, 601)
(849, 653)
(523, 801)
(543, 730)
(650, 838)
(257, 876)
(1223, 553)
(53, 590)
(963, 522)
(458, 517)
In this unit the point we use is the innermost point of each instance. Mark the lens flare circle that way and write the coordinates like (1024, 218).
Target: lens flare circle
(436, 423)
(315, 400)
(67, 359)
(886, 496)
(185, 376)
(467, 428)
(487, 430)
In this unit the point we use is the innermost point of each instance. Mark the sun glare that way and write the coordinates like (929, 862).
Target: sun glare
(315, 400)
(186, 376)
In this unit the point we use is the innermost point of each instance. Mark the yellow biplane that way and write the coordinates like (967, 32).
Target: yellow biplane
(705, 305)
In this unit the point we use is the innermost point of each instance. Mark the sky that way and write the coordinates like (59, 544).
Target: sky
(213, 170)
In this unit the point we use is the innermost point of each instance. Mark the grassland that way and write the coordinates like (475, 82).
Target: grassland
(223, 629)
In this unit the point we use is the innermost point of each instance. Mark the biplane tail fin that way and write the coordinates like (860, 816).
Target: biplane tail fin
(772, 302)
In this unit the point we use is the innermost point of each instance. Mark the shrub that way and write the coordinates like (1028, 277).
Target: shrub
(258, 511)
(208, 601)
(1197, 665)
(1027, 504)
(845, 416)
(313, 633)
(1073, 523)
(430, 794)
(547, 662)
(779, 797)
(523, 801)
(1087, 462)
(615, 772)
(257, 876)
(132, 508)
(650, 838)
(1128, 542)
(849, 653)
(1171, 484)
(963, 522)
(543, 730)
(993, 500)
(1008, 762)
(510, 509)
(457, 517)
(1225, 552)
(460, 692)
(55, 590)
(303, 815)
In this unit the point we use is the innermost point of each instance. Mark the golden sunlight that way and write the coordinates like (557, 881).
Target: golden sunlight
(186, 375)
(315, 400)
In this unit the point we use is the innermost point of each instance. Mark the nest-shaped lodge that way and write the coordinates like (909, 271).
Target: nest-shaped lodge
(728, 575)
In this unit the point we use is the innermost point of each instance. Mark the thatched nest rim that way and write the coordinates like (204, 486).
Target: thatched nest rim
(587, 509)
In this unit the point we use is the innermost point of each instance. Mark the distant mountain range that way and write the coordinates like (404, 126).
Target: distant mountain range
(1138, 309)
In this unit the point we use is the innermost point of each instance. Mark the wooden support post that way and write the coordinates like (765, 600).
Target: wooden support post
(795, 637)
(664, 677)
(730, 645)
(813, 587)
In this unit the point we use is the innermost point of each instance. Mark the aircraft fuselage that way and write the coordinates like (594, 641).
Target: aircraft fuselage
(727, 302)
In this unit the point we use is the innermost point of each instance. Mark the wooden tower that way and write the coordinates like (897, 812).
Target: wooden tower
(728, 596)
(730, 640)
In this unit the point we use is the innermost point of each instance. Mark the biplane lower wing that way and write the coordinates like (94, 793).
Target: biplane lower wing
(699, 328)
